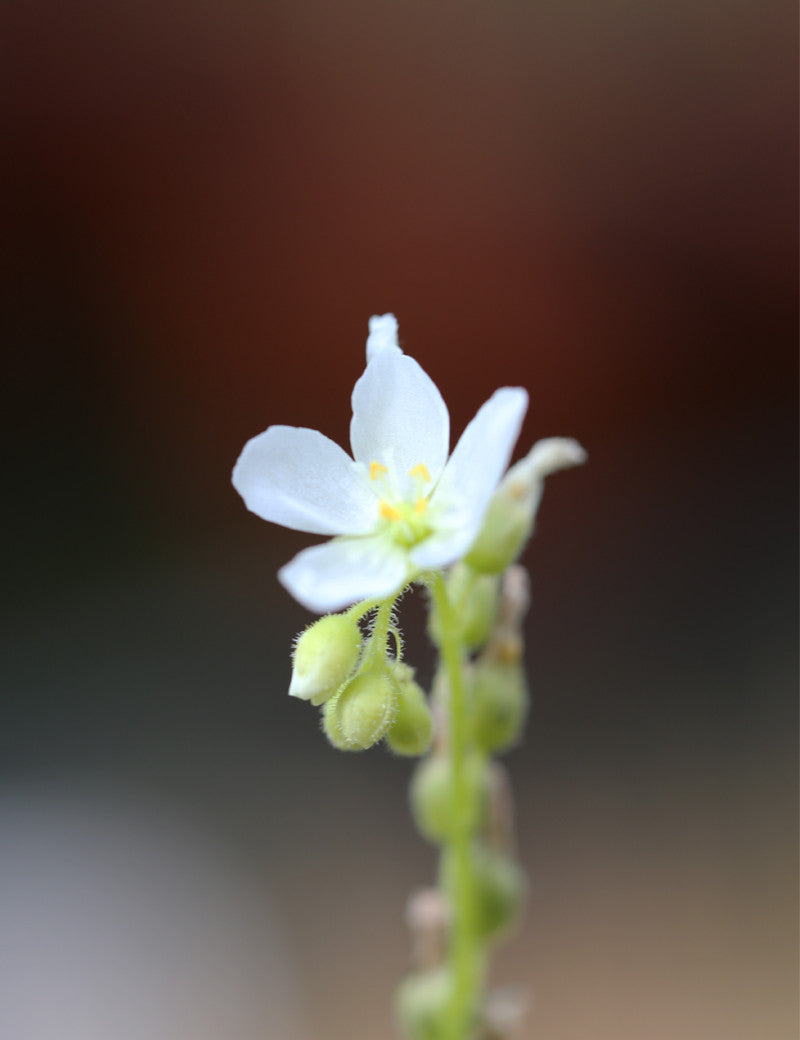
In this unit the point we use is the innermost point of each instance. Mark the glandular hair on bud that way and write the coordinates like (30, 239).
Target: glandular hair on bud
(433, 802)
(412, 729)
(325, 656)
(499, 704)
(362, 712)
(422, 1001)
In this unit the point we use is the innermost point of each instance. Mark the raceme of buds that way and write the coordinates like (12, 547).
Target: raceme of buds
(508, 523)
(325, 656)
(363, 710)
(412, 729)
(433, 801)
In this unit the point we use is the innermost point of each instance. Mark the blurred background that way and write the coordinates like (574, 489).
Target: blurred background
(202, 206)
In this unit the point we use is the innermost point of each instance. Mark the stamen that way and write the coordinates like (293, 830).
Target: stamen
(389, 512)
(376, 470)
(420, 506)
(420, 470)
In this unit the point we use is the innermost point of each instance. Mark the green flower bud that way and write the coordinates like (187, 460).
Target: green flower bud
(432, 801)
(499, 703)
(362, 712)
(412, 729)
(325, 656)
(474, 598)
(421, 1004)
(506, 529)
(512, 510)
(499, 889)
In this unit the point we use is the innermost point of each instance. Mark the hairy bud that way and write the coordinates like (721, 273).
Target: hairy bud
(362, 712)
(325, 656)
(412, 729)
(432, 798)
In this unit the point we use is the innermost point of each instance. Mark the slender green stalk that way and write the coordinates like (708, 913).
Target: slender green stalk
(464, 954)
(380, 631)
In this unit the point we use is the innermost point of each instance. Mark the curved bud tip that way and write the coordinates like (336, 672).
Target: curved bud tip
(325, 656)
(552, 454)
(382, 337)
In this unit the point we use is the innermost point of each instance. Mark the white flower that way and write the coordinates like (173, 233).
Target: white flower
(399, 506)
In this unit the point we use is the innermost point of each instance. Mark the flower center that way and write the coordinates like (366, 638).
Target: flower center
(405, 520)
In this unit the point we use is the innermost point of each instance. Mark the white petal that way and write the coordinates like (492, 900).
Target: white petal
(550, 455)
(382, 335)
(399, 418)
(301, 479)
(448, 544)
(471, 476)
(343, 571)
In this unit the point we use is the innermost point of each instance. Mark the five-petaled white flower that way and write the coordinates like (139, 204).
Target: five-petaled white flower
(399, 507)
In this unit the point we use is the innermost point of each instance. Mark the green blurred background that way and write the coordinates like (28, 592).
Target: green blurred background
(202, 206)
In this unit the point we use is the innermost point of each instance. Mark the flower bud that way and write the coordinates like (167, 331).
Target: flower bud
(362, 712)
(499, 703)
(512, 510)
(412, 729)
(421, 1004)
(432, 798)
(325, 656)
(499, 888)
(474, 598)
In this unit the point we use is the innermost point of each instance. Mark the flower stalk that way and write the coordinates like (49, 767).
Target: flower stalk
(465, 962)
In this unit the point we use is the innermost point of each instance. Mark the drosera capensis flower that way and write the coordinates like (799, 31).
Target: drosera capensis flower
(402, 509)
(399, 507)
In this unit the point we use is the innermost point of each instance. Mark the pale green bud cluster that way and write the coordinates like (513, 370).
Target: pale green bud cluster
(365, 692)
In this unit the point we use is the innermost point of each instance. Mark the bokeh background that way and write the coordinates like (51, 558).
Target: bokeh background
(202, 205)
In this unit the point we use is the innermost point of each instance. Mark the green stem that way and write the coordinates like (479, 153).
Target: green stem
(465, 959)
(380, 631)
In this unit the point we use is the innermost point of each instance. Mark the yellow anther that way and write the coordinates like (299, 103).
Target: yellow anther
(389, 512)
(420, 506)
(420, 470)
(376, 469)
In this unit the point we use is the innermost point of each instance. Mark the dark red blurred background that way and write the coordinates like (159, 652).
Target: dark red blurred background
(202, 206)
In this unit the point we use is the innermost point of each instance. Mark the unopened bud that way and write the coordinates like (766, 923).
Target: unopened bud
(512, 510)
(474, 598)
(412, 729)
(361, 713)
(433, 801)
(422, 1001)
(325, 656)
(499, 701)
(499, 888)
